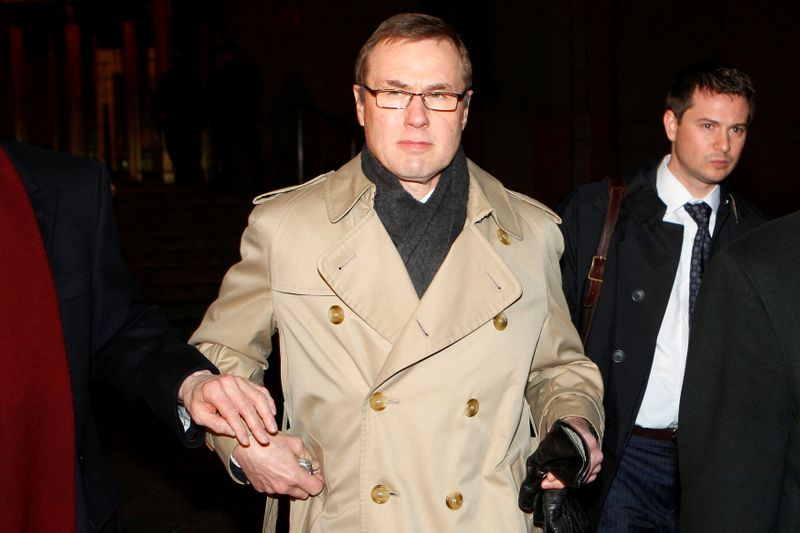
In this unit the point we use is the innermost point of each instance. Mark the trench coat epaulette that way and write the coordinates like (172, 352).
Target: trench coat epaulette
(535, 203)
(265, 197)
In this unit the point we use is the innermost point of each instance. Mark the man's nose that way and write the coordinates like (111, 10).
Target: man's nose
(417, 113)
(723, 142)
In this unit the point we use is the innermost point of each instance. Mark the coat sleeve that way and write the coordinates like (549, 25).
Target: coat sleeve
(582, 223)
(236, 332)
(132, 345)
(735, 413)
(563, 381)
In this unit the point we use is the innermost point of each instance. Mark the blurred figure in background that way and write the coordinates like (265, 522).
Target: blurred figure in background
(68, 317)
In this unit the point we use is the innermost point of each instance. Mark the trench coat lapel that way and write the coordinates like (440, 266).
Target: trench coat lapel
(365, 262)
(472, 286)
(367, 273)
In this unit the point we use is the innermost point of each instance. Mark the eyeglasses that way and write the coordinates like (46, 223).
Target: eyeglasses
(398, 99)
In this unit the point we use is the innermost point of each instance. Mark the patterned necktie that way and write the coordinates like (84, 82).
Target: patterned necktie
(700, 249)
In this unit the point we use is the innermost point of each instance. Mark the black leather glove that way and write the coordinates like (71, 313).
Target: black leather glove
(565, 454)
(560, 513)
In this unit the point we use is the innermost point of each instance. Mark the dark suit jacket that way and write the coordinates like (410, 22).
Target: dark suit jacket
(108, 335)
(739, 442)
(643, 259)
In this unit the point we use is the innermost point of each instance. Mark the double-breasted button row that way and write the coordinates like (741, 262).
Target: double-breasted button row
(381, 494)
(378, 401)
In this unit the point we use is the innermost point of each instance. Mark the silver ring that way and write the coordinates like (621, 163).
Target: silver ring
(305, 463)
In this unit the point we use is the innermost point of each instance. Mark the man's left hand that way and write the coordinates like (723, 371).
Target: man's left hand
(224, 404)
(595, 454)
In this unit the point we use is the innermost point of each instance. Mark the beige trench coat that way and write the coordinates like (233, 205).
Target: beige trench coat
(430, 398)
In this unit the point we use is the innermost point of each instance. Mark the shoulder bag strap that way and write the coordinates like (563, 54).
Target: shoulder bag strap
(616, 190)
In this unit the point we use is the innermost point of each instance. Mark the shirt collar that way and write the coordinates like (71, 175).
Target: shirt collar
(674, 194)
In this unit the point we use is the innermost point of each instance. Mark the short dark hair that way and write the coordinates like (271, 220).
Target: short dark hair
(413, 27)
(709, 77)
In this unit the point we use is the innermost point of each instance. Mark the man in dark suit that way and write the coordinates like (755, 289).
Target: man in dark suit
(640, 332)
(740, 429)
(68, 316)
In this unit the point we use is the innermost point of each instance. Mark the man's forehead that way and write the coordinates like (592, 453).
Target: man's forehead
(711, 100)
(414, 54)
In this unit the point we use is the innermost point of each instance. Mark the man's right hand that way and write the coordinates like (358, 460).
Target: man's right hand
(274, 469)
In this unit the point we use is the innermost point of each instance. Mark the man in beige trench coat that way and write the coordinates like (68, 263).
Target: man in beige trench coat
(420, 315)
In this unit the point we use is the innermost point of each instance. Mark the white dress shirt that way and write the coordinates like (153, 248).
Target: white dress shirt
(659, 407)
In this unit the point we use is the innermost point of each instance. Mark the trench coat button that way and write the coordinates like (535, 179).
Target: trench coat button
(336, 314)
(378, 401)
(454, 500)
(380, 494)
(472, 407)
(637, 295)
(503, 236)
(500, 322)
(618, 356)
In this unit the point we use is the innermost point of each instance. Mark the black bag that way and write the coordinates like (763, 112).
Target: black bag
(565, 454)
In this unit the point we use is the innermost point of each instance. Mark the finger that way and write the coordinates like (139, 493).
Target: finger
(214, 423)
(255, 422)
(552, 485)
(257, 408)
(264, 392)
(242, 435)
(298, 494)
(265, 410)
(272, 406)
(311, 484)
(231, 416)
(237, 408)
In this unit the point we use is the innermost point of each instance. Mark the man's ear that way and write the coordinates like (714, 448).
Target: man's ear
(358, 94)
(671, 123)
(467, 99)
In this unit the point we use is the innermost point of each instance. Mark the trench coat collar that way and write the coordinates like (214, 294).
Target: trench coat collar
(487, 196)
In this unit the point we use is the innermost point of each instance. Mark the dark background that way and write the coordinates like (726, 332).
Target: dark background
(566, 92)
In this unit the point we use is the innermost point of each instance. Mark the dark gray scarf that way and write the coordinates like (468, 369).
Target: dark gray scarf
(422, 233)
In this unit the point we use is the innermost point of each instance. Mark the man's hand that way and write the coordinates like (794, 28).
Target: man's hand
(595, 454)
(274, 468)
(224, 404)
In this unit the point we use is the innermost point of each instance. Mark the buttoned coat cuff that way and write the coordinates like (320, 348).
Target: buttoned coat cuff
(573, 404)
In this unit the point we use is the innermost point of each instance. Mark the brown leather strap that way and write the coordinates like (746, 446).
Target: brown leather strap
(616, 190)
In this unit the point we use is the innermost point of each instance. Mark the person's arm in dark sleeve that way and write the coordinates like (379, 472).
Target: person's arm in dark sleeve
(734, 420)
